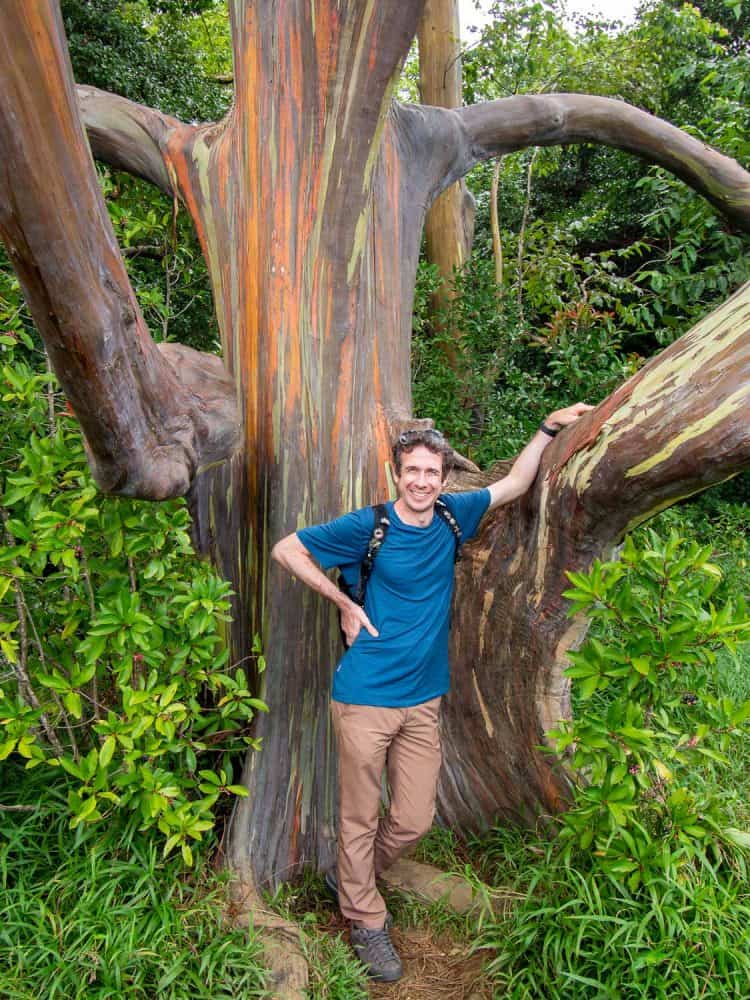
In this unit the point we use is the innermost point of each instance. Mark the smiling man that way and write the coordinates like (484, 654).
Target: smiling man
(388, 684)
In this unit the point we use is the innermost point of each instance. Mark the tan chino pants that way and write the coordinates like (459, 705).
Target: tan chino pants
(406, 741)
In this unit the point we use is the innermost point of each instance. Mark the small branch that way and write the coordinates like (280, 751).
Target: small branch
(52, 420)
(522, 231)
(92, 612)
(144, 250)
(20, 667)
(497, 243)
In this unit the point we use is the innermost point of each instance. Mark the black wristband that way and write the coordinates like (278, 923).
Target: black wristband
(548, 430)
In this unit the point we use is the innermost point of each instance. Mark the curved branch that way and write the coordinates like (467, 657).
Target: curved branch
(513, 123)
(128, 136)
(679, 425)
(151, 418)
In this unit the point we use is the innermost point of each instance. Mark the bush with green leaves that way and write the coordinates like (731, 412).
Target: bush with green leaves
(645, 755)
(114, 665)
(643, 893)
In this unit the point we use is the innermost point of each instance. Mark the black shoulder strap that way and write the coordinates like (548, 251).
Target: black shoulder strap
(379, 531)
(441, 509)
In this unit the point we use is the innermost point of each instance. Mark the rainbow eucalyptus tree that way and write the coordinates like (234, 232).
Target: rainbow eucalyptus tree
(309, 199)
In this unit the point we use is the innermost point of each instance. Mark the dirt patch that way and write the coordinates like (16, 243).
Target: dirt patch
(435, 966)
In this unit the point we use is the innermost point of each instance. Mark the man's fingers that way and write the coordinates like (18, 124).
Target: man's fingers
(369, 626)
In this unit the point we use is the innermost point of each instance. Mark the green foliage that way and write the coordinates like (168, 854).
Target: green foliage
(111, 631)
(164, 261)
(644, 759)
(90, 916)
(162, 55)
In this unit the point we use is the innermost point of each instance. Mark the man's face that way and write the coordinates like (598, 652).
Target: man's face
(421, 478)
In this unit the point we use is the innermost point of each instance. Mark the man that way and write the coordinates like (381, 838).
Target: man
(388, 685)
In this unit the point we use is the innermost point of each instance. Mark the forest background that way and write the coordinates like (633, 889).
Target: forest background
(111, 631)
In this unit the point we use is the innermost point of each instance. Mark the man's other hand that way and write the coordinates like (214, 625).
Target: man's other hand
(353, 619)
(561, 418)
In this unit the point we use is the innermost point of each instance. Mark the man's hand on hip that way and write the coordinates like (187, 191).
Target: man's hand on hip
(353, 619)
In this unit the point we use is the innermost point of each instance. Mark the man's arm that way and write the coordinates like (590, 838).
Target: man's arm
(524, 470)
(295, 558)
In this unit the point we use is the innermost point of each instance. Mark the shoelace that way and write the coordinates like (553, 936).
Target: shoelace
(382, 950)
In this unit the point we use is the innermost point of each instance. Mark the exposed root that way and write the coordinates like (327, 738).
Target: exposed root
(282, 946)
(432, 884)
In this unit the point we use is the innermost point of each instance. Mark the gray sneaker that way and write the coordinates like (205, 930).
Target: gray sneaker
(375, 950)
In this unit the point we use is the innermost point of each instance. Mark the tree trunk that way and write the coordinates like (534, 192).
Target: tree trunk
(309, 200)
(298, 199)
(676, 427)
(449, 226)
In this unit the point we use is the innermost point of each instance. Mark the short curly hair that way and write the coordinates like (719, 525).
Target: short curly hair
(428, 438)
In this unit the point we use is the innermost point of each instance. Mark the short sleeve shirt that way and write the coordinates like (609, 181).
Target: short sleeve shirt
(408, 600)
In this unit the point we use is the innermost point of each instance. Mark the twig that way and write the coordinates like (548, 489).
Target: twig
(50, 398)
(92, 611)
(522, 232)
(497, 243)
(20, 667)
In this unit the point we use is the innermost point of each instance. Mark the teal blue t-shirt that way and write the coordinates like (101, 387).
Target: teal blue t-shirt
(408, 600)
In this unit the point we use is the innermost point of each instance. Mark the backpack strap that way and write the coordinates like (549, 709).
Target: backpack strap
(441, 509)
(379, 531)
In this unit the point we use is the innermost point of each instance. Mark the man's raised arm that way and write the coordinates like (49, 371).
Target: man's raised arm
(524, 469)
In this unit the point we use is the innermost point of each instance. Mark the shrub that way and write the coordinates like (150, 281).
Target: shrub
(115, 668)
(643, 759)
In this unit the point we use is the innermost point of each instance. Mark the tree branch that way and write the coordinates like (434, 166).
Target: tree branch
(498, 127)
(128, 136)
(679, 425)
(151, 418)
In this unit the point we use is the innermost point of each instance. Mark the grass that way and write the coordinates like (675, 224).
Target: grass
(83, 917)
(579, 934)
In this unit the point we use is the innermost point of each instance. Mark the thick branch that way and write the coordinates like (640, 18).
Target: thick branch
(498, 127)
(679, 425)
(148, 426)
(128, 136)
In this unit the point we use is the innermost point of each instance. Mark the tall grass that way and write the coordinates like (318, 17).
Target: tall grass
(82, 916)
(579, 934)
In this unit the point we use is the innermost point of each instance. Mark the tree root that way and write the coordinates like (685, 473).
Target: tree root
(282, 939)
(433, 885)
(282, 943)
